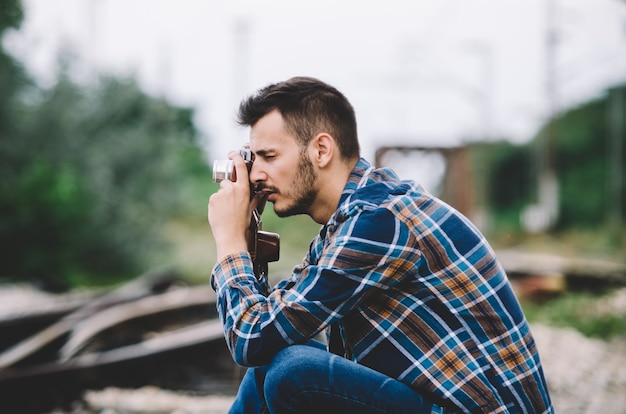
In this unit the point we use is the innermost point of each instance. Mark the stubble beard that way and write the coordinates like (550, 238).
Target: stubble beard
(303, 190)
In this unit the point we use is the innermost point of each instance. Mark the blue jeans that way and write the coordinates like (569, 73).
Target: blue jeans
(307, 379)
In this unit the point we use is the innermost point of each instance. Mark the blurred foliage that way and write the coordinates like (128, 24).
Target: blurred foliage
(581, 145)
(296, 234)
(11, 14)
(509, 183)
(584, 311)
(583, 165)
(89, 174)
(13, 79)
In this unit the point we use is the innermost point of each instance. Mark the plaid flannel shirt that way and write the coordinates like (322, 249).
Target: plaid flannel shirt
(404, 284)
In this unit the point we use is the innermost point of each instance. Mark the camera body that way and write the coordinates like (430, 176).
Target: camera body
(264, 247)
(225, 169)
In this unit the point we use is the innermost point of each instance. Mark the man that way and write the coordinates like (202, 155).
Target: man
(418, 312)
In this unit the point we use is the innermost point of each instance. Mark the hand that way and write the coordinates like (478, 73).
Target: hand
(230, 209)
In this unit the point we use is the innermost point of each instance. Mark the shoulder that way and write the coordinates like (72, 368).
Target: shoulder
(371, 214)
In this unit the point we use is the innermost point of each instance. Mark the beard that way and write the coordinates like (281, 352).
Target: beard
(303, 190)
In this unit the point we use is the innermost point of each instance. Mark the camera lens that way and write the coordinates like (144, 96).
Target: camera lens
(222, 170)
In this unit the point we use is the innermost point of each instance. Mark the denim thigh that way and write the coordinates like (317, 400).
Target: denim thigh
(307, 379)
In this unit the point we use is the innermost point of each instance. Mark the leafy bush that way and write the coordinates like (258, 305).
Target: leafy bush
(581, 311)
(89, 178)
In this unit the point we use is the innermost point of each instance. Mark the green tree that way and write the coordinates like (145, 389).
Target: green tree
(12, 76)
(509, 179)
(89, 178)
(582, 157)
(88, 173)
(582, 164)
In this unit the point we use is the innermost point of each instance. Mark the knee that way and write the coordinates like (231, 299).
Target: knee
(291, 361)
(291, 370)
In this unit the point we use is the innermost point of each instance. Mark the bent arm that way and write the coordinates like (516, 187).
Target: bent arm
(363, 254)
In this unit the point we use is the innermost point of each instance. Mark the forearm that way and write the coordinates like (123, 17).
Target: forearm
(242, 307)
(329, 285)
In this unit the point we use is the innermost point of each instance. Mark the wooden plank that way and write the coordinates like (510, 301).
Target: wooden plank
(146, 284)
(89, 327)
(533, 263)
(196, 334)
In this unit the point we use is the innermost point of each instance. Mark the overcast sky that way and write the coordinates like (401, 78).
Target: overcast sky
(419, 72)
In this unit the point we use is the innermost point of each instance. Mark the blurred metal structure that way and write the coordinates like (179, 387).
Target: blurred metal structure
(458, 186)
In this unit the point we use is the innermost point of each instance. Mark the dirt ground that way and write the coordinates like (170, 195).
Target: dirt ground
(584, 375)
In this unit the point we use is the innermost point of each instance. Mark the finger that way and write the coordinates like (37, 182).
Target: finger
(241, 169)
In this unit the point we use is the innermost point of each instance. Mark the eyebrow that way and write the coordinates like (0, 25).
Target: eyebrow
(264, 152)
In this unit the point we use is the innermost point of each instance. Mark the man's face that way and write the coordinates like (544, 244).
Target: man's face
(279, 168)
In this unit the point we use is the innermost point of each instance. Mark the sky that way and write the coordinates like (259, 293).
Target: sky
(418, 72)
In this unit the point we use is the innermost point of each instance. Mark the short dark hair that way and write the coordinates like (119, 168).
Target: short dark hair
(309, 107)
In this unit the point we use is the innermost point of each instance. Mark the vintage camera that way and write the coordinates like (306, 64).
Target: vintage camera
(225, 169)
(264, 247)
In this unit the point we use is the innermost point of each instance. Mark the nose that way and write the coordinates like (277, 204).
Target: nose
(257, 175)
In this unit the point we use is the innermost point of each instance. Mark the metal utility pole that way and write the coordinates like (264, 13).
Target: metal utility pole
(548, 181)
(541, 216)
(241, 63)
(92, 46)
(482, 215)
(616, 162)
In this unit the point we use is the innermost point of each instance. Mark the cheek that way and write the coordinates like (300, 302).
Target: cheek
(285, 173)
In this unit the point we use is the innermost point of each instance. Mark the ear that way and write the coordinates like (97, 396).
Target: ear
(322, 149)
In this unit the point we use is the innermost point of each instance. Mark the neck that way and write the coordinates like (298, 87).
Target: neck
(331, 182)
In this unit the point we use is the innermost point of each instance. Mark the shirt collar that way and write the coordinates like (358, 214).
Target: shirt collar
(357, 179)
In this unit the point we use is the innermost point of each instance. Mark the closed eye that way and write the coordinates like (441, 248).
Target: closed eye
(266, 156)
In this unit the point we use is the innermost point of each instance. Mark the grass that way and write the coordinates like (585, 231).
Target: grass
(296, 234)
(593, 315)
(193, 247)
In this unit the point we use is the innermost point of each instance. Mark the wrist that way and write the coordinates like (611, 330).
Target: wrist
(229, 247)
